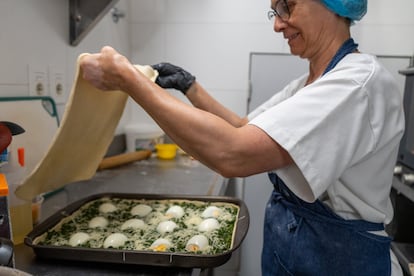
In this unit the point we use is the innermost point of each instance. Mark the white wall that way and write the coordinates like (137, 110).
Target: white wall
(34, 36)
(213, 38)
(387, 28)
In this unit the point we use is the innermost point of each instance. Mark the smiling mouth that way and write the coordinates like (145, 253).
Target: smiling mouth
(289, 38)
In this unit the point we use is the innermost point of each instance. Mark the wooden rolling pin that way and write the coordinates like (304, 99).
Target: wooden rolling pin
(122, 159)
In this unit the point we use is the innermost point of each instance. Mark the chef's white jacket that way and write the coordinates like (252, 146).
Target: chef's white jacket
(343, 133)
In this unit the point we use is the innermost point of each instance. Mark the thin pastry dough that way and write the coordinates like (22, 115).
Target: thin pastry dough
(81, 141)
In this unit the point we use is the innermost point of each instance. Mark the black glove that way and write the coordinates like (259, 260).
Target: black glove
(171, 76)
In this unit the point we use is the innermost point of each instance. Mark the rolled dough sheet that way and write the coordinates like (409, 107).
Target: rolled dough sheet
(80, 143)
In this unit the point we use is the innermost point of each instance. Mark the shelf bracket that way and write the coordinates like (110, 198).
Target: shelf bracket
(84, 15)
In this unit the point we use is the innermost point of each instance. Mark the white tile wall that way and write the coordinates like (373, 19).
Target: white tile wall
(210, 38)
(387, 28)
(36, 34)
(385, 39)
(390, 13)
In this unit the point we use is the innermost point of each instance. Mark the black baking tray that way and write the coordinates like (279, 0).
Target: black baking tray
(165, 259)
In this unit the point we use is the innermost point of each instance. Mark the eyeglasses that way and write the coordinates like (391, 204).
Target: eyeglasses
(281, 10)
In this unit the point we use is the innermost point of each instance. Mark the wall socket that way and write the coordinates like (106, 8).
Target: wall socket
(57, 85)
(38, 82)
(47, 81)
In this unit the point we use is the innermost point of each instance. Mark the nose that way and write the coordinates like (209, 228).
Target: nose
(278, 24)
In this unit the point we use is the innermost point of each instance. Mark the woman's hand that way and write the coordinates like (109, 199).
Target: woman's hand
(171, 76)
(106, 70)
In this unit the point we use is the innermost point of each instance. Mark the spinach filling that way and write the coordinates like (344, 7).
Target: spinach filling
(219, 240)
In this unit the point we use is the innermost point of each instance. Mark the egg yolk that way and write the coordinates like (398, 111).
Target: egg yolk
(193, 247)
(160, 247)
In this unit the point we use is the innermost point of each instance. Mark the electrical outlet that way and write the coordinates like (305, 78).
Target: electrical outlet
(38, 85)
(57, 85)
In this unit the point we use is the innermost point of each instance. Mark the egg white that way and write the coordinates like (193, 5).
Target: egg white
(160, 245)
(133, 223)
(107, 208)
(209, 224)
(141, 210)
(197, 243)
(115, 240)
(193, 221)
(78, 238)
(98, 222)
(166, 227)
(175, 212)
(211, 212)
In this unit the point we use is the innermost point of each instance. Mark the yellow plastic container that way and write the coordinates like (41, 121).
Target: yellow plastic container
(166, 151)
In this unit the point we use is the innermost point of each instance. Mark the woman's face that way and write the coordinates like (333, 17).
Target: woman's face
(309, 27)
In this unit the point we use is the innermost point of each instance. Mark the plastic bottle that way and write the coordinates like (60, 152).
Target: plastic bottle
(4, 157)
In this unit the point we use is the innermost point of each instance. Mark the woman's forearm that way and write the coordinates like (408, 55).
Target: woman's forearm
(200, 98)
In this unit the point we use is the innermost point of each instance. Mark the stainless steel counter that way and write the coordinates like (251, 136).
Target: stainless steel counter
(181, 176)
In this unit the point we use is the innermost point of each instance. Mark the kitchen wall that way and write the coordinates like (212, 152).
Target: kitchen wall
(210, 38)
(34, 39)
(213, 38)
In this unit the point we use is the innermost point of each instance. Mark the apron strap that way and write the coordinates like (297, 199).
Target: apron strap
(348, 47)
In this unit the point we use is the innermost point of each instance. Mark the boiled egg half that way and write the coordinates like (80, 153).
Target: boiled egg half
(166, 227)
(107, 208)
(197, 243)
(115, 240)
(175, 212)
(211, 212)
(78, 238)
(195, 220)
(209, 224)
(160, 245)
(141, 210)
(133, 223)
(98, 222)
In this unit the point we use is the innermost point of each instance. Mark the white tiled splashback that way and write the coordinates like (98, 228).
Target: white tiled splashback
(211, 38)
(35, 34)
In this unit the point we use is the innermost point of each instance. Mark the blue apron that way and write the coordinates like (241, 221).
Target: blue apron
(303, 238)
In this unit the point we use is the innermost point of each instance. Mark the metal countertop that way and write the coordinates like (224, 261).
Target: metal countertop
(182, 176)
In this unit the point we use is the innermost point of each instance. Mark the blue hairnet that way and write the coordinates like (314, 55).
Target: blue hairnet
(352, 9)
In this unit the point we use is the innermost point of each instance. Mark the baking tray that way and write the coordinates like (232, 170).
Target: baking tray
(110, 255)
